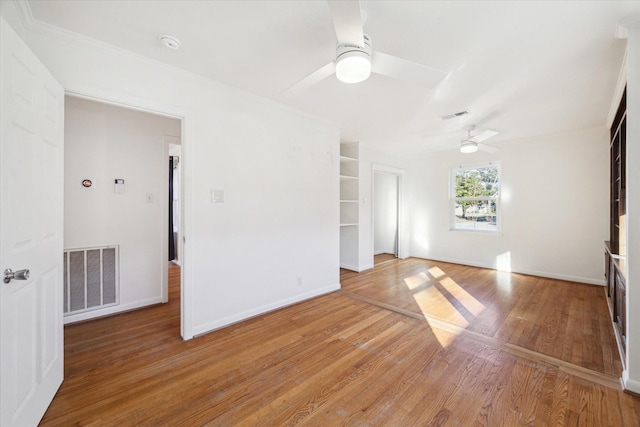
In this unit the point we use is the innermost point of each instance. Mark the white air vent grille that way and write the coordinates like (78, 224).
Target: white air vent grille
(90, 278)
(454, 115)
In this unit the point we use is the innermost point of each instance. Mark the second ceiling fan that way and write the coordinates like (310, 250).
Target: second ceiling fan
(355, 60)
(471, 144)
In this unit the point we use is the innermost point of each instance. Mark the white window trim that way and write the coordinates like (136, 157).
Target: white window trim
(452, 198)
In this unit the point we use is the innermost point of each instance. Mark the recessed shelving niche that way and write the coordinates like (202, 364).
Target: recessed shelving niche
(349, 204)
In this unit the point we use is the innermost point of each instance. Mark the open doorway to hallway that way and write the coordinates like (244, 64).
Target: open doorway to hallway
(116, 208)
(174, 212)
(174, 282)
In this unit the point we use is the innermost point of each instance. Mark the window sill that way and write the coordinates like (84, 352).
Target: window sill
(472, 230)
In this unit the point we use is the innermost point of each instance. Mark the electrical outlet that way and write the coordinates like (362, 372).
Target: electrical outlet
(149, 198)
(299, 281)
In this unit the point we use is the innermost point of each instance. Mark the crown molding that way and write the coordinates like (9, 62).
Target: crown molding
(35, 26)
(24, 12)
(622, 29)
(617, 95)
(622, 32)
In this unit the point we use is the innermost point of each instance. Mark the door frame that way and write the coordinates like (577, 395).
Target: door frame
(186, 305)
(400, 173)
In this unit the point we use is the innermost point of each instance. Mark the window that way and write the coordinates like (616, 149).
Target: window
(476, 197)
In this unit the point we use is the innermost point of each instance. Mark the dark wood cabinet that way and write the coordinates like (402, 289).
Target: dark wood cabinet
(616, 247)
(619, 313)
(618, 186)
(617, 295)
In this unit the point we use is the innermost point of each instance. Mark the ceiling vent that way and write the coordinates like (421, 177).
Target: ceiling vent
(454, 115)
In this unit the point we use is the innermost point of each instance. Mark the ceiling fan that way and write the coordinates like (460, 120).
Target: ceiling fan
(355, 60)
(471, 144)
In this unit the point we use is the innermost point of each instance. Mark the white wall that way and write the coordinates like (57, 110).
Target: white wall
(275, 239)
(385, 213)
(103, 142)
(371, 160)
(554, 216)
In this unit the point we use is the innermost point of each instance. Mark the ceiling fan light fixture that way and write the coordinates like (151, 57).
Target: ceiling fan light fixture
(353, 63)
(353, 66)
(468, 147)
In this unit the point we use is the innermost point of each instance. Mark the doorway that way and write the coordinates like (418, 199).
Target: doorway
(174, 197)
(174, 223)
(116, 179)
(386, 216)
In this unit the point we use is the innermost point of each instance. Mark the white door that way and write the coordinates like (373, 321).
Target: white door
(31, 213)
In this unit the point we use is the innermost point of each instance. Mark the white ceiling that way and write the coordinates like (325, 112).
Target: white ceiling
(522, 68)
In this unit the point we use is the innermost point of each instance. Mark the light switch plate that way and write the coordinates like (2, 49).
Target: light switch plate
(217, 196)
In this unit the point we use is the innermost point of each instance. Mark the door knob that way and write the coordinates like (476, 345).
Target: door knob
(17, 275)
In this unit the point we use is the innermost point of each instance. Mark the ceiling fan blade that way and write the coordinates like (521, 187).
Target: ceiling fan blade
(484, 135)
(407, 71)
(488, 148)
(311, 79)
(347, 20)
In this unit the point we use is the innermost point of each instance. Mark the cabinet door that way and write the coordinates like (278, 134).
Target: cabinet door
(611, 285)
(620, 312)
(609, 274)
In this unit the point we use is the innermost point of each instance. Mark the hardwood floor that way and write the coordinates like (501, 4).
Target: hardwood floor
(365, 355)
(559, 319)
(383, 258)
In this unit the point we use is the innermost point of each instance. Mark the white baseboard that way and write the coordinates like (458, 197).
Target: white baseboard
(566, 277)
(239, 317)
(629, 384)
(365, 268)
(384, 252)
(356, 269)
(545, 274)
(349, 267)
(107, 311)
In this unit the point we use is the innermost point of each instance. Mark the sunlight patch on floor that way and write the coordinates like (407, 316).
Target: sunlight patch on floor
(416, 280)
(474, 306)
(445, 300)
(432, 302)
(436, 272)
(504, 282)
(445, 338)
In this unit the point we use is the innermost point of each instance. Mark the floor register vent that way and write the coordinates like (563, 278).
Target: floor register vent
(90, 278)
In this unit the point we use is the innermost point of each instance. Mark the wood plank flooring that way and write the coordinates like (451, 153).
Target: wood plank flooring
(560, 319)
(357, 357)
(383, 258)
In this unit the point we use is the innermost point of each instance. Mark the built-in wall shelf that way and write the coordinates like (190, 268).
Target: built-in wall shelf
(616, 247)
(349, 187)
(349, 206)
(348, 213)
(349, 167)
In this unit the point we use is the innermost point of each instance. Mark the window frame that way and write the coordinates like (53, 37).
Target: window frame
(496, 199)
